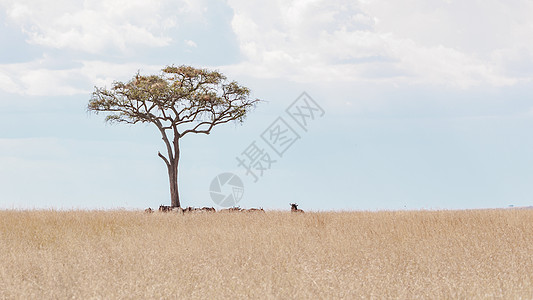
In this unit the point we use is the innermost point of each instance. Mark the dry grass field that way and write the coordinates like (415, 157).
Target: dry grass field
(273, 255)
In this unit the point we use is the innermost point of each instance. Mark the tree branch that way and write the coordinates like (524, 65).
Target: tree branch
(165, 139)
(164, 158)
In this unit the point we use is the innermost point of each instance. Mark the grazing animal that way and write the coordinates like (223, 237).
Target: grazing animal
(295, 209)
(189, 209)
(208, 209)
(255, 210)
(232, 209)
(199, 210)
(177, 209)
(164, 208)
(149, 210)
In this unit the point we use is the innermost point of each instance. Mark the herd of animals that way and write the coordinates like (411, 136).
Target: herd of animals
(164, 208)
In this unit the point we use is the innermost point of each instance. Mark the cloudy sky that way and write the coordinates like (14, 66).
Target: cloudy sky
(427, 104)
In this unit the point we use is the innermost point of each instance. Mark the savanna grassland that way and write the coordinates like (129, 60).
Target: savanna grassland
(274, 255)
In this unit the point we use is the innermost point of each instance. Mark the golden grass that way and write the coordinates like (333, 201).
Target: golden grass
(405, 255)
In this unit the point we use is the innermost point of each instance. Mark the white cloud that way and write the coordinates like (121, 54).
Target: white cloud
(190, 44)
(37, 78)
(101, 73)
(97, 26)
(438, 42)
(33, 79)
(453, 43)
(6, 83)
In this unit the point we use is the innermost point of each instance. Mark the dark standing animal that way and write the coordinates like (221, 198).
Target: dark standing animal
(164, 208)
(295, 209)
(149, 210)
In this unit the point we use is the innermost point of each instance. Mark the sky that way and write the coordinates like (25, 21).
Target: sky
(412, 104)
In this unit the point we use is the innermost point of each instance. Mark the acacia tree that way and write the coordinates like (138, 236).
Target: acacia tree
(179, 101)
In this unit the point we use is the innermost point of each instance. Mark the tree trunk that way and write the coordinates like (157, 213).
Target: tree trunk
(173, 179)
(173, 174)
(172, 164)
